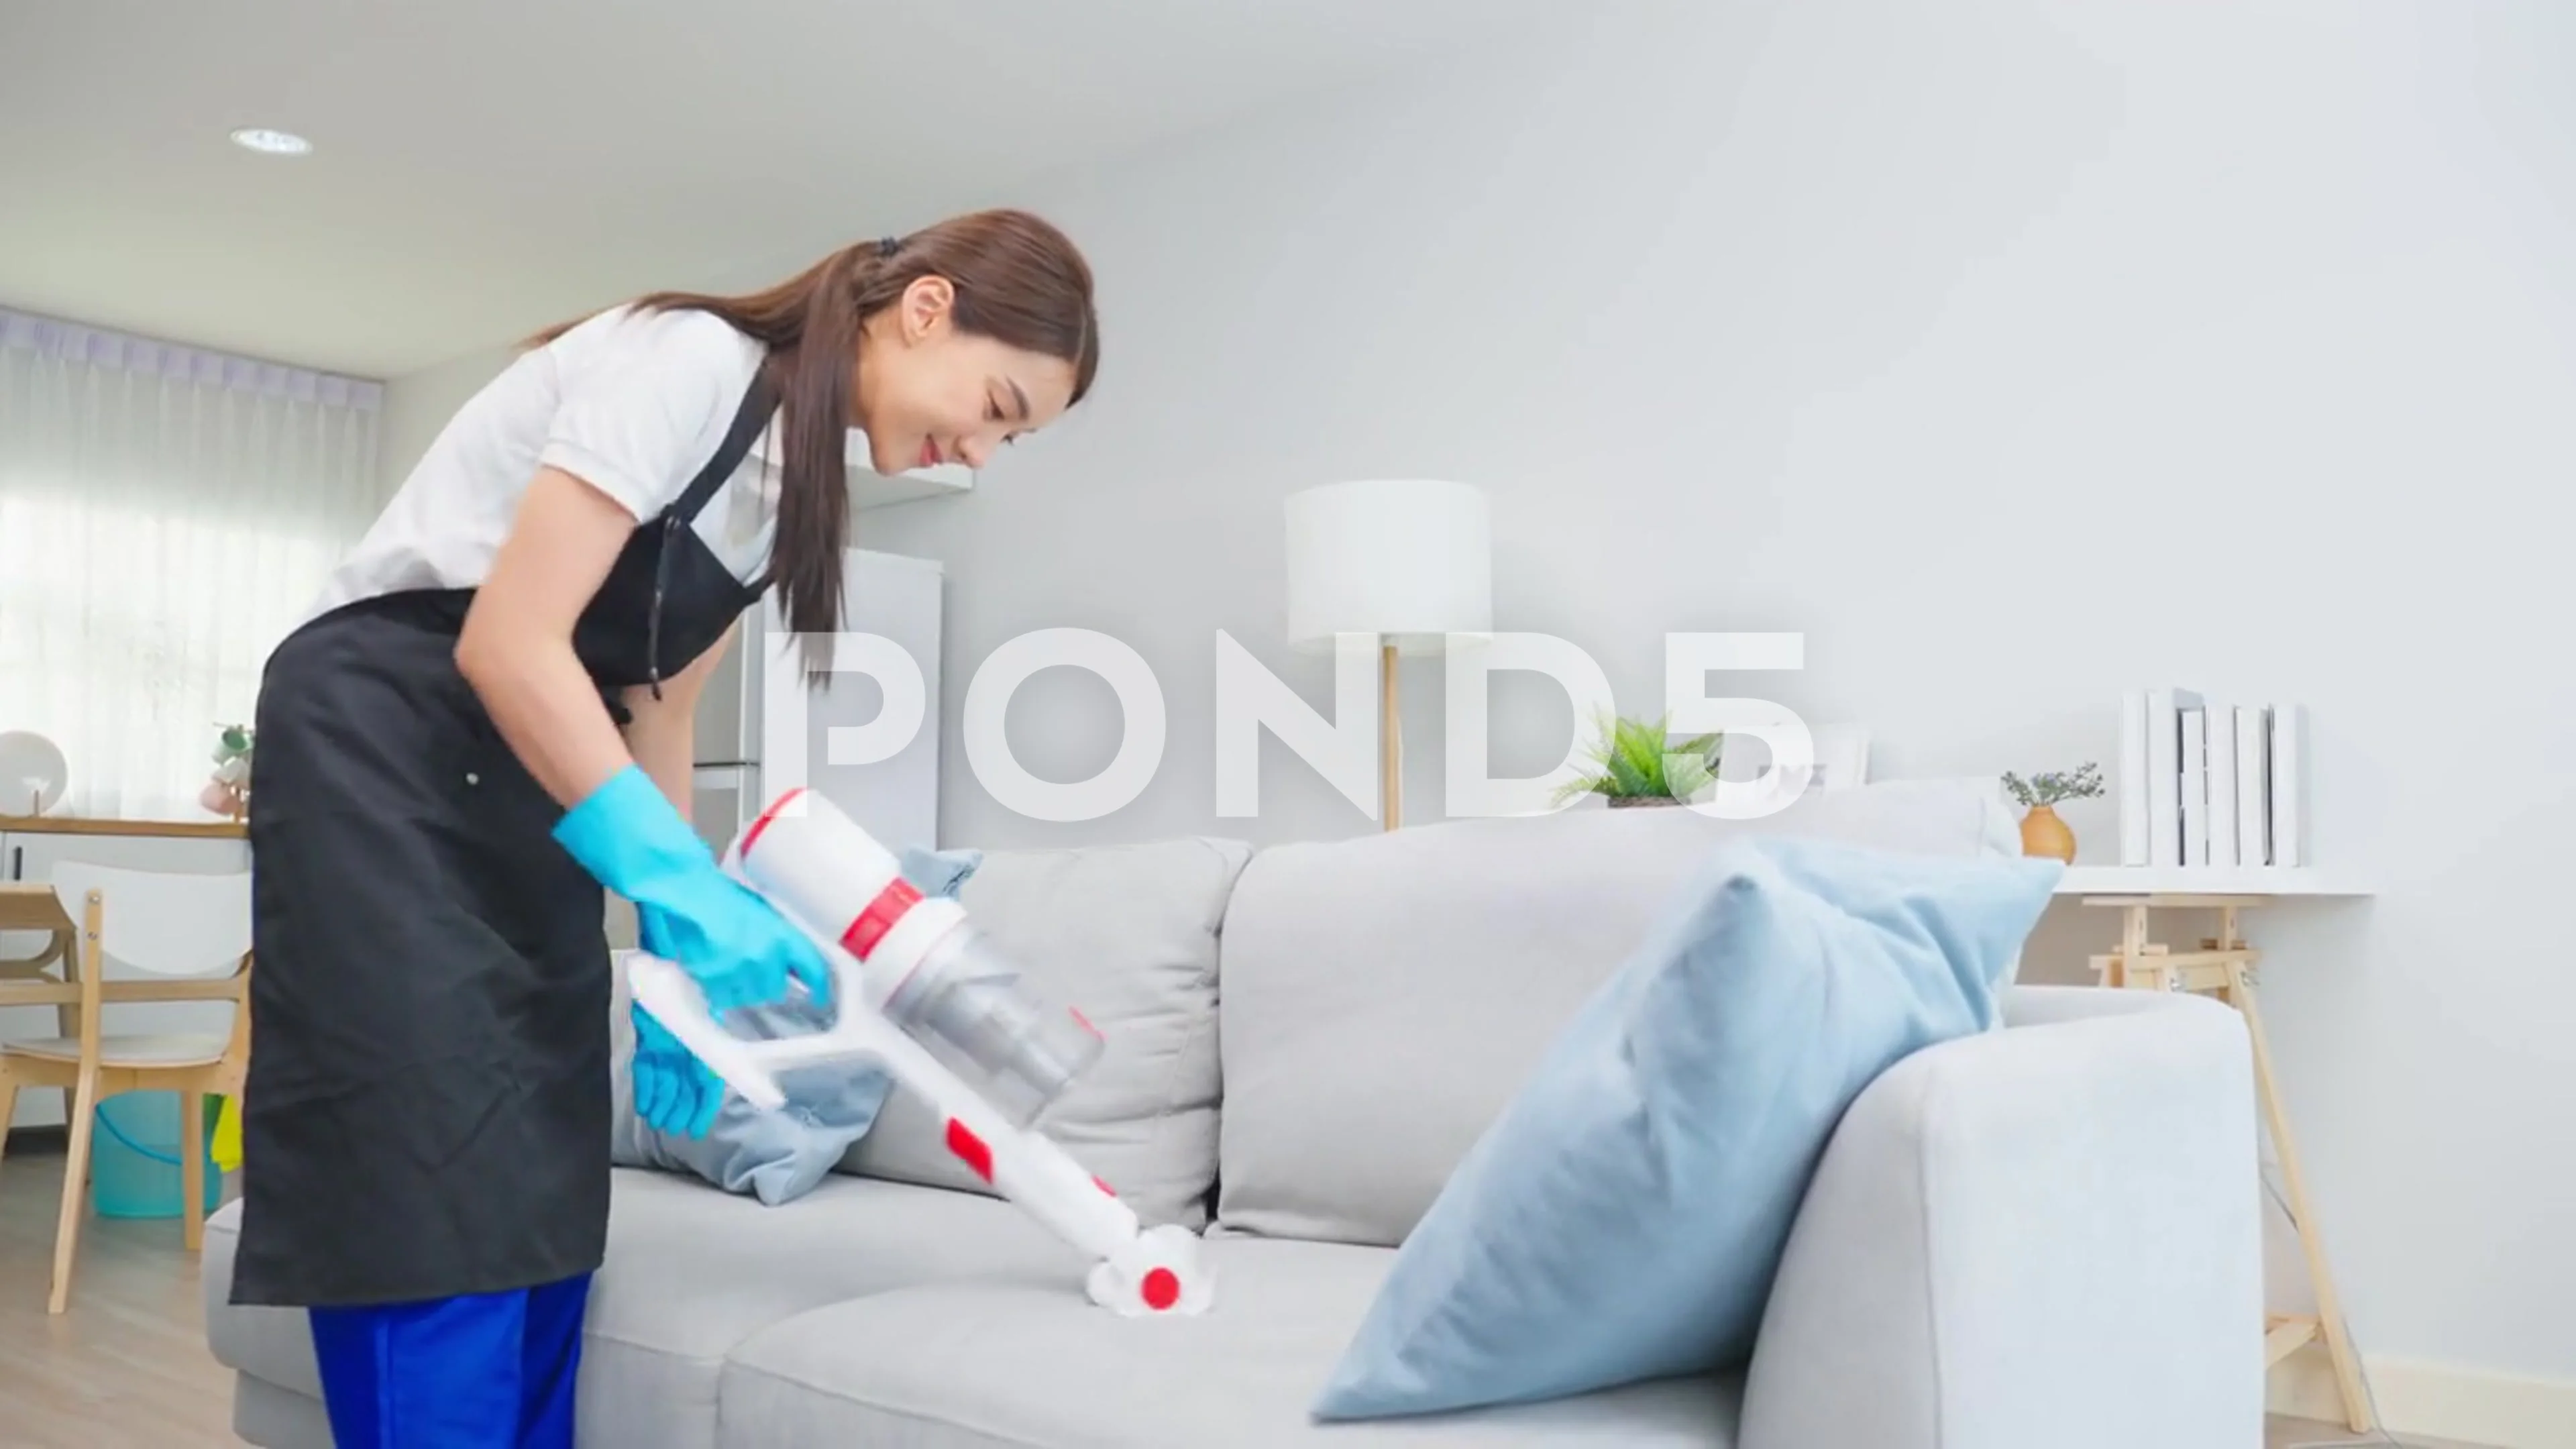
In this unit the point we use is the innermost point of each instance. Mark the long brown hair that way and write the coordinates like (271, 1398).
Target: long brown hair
(1017, 279)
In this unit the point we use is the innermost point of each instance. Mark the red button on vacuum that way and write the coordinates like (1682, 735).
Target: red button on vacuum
(970, 1149)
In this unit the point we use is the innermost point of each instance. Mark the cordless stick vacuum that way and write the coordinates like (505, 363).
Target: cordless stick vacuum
(921, 993)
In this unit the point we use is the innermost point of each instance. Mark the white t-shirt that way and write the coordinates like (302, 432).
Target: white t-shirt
(633, 403)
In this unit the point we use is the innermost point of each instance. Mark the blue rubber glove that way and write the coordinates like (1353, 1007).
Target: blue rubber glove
(675, 1093)
(735, 945)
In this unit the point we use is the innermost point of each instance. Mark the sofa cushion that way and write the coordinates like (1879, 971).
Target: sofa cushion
(277, 1418)
(275, 1344)
(1125, 934)
(692, 1271)
(1016, 1363)
(1387, 994)
(1645, 1180)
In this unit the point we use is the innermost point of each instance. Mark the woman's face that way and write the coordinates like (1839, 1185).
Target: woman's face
(928, 394)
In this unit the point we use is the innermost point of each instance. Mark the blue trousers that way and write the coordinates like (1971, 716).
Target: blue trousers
(484, 1371)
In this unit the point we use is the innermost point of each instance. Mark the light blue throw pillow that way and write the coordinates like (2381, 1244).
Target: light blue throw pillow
(782, 1155)
(1625, 1215)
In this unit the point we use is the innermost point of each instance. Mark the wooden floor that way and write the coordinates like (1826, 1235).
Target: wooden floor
(2292, 1433)
(127, 1367)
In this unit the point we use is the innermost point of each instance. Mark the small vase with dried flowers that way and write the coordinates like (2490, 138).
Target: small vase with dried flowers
(228, 792)
(2042, 831)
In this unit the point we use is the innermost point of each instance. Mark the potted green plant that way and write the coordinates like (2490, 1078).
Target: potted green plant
(1634, 762)
(2042, 831)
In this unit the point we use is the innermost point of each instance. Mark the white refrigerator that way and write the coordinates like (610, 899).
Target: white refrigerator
(866, 737)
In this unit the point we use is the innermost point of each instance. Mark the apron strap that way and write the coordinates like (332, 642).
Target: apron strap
(758, 403)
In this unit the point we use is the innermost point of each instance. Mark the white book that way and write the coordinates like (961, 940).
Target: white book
(2164, 773)
(2289, 785)
(2134, 799)
(2222, 784)
(2195, 787)
(2253, 785)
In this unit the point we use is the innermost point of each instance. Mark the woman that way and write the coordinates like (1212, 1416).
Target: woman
(486, 721)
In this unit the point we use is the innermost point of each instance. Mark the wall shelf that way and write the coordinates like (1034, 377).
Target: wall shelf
(877, 490)
(872, 489)
(2204, 880)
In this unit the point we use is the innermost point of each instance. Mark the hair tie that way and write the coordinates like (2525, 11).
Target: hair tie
(888, 246)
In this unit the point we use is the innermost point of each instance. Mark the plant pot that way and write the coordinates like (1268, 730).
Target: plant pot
(1627, 802)
(2043, 833)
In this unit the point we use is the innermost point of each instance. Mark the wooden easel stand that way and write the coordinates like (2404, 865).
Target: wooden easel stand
(2224, 967)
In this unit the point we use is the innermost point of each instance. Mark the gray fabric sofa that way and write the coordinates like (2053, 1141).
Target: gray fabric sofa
(2040, 1237)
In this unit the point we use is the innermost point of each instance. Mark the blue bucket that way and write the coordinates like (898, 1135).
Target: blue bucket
(134, 1156)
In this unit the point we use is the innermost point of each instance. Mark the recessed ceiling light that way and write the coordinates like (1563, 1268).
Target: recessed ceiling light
(273, 143)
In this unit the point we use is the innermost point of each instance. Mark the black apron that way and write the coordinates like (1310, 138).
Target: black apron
(427, 1111)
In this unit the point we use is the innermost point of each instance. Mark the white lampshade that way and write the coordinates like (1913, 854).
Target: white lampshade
(1407, 559)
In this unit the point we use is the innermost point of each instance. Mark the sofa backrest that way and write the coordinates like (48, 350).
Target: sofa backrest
(1384, 995)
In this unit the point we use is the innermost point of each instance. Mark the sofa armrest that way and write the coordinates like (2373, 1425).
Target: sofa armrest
(2041, 1236)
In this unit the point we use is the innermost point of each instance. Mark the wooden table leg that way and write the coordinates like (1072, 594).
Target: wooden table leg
(2224, 968)
(2329, 1319)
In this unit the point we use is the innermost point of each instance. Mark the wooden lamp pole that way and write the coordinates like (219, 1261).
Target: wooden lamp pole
(1404, 560)
(1390, 741)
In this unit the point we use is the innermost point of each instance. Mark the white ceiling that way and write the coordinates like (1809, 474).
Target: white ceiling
(482, 167)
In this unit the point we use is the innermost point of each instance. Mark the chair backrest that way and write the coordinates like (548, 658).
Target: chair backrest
(166, 923)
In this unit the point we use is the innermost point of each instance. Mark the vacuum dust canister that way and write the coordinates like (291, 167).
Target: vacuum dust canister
(925, 966)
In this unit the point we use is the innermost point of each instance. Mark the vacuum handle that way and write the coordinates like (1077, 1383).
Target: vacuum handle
(671, 996)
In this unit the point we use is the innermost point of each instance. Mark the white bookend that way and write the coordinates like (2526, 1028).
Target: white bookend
(2253, 786)
(2135, 802)
(2164, 773)
(2195, 786)
(2222, 784)
(2289, 785)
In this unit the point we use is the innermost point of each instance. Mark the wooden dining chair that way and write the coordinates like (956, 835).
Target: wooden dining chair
(191, 934)
(32, 909)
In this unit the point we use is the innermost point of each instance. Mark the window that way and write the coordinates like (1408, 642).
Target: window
(166, 515)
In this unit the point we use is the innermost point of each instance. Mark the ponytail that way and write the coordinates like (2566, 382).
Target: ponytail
(813, 374)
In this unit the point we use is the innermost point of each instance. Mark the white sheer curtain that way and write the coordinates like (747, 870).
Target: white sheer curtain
(166, 515)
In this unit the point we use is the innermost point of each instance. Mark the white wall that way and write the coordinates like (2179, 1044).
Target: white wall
(2016, 353)
(418, 405)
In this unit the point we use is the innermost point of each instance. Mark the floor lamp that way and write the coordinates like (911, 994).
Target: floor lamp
(1407, 561)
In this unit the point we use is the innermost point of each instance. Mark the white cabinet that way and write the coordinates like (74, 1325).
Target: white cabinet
(29, 856)
(865, 737)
